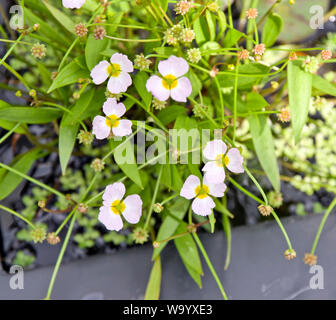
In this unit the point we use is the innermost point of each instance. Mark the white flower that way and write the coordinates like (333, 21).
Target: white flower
(203, 203)
(114, 206)
(117, 70)
(215, 151)
(102, 126)
(73, 4)
(171, 84)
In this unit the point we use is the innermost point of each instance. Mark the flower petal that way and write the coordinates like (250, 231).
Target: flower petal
(73, 4)
(189, 186)
(119, 84)
(203, 207)
(235, 161)
(99, 127)
(214, 148)
(174, 66)
(113, 192)
(213, 173)
(112, 107)
(124, 128)
(133, 210)
(182, 91)
(155, 87)
(121, 59)
(99, 73)
(215, 189)
(110, 220)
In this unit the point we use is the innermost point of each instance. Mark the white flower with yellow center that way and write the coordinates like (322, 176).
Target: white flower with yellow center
(201, 193)
(117, 70)
(115, 206)
(171, 83)
(215, 152)
(73, 4)
(103, 126)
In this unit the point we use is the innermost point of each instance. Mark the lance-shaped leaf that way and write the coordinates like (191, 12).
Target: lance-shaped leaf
(299, 92)
(9, 180)
(154, 283)
(272, 29)
(264, 147)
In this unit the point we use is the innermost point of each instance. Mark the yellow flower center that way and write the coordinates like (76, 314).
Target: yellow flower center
(222, 160)
(169, 82)
(202, 191)
(112, 121)
(118, 207)
(114, 70)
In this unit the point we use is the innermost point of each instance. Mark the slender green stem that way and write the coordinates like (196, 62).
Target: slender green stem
(214, 274)
(257, 184)
(248, 193)
(323, 221)
(14, 41)
(158, 122)
(256, 35)
(227, 230)
(40, 184)
(67, 54)
(16, 74)
(169, 199)
(230, 14)
(17, 215)
(235, 98)
(262, 202)
(61, 254)
(9, 132)
(283, 230)
(121, 26)
(65, 221)
(220, 93)
(133, 40)
(11, 49)
(150, 211)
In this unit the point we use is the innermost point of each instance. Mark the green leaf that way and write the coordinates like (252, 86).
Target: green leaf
(93, 49)
(324, 85)
(79, 111)
(140, 84)
(201, 30)
(272, 29)
(299, 92)
(46, 29)
(170, 223)
(171, 177)
(255, 101)
(70, 74)
(195, 83)
(8, 125)
(264, 146)
(9, 180)
(170, 114)
(125, 159)
(164, 4)
(66, 142)
(188, 252)
(222, 24)
(154, 283)
(231, 37)
(61, 17)
(211, 25)
(244, 83)
(30, 114)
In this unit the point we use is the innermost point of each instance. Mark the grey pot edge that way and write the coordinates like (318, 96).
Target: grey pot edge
(258, 269)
